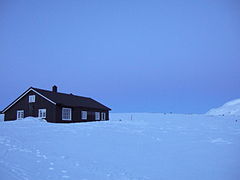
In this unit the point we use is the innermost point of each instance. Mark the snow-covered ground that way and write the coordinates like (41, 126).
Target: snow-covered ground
(1, 117)
(229, 108)
(137, 146)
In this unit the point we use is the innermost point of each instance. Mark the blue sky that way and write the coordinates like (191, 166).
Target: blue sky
(134, 56)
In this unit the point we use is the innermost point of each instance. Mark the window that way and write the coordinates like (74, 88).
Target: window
(66, 114)
(97, 115)
(31, 98)
(84, 114)
(20, 114)
(42, 113)
(103, 116)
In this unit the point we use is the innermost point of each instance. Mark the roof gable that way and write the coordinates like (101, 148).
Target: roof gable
(22, 95)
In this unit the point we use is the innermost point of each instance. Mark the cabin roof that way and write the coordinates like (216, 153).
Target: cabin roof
(62, 99)
(71, 100)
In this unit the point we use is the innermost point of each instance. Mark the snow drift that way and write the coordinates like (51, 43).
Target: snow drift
(229, 108)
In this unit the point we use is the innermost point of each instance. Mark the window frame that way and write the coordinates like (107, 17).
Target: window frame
(84, 115)
(32, 98)
(43, 111)
(97, 116)
(103, 116)
(21, 114)
(70, 114)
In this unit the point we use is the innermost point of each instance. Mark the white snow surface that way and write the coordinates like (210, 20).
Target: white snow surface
(229, 108)
(1, 117)
(131, 146)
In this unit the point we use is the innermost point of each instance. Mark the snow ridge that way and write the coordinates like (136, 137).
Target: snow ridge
(229, 108)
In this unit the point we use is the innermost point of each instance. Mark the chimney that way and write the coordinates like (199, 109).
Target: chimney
(54, 88)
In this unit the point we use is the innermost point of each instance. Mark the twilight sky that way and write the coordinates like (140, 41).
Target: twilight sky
(131, 55)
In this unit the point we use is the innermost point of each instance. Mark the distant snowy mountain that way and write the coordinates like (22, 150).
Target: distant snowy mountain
(229, 108)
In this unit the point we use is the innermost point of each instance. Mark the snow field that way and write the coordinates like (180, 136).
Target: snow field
(1, 117)
(131, 146)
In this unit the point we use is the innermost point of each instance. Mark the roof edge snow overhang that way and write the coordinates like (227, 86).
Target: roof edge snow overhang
(21, 96)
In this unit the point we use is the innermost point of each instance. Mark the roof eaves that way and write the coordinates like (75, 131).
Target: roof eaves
(105, 107)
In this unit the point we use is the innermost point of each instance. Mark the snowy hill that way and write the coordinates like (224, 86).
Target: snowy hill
(229, 108)
(131, 146)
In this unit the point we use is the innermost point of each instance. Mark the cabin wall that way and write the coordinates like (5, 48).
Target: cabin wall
(31, 109)
(76, 114)
(107, 115)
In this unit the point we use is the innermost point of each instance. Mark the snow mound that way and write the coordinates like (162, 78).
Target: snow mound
(33, 119)
(229, 108)
(28, 119)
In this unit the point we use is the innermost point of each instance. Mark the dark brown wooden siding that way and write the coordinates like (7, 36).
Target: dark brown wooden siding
(31, 109)
(76, 114)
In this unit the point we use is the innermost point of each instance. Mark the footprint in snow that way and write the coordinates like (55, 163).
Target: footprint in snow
(220, 141)
(77, 164)
(64, 171)
(65, 176)
(44, 156)
(39, 155)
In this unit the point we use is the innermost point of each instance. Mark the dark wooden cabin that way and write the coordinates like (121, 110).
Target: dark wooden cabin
(55, 107)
